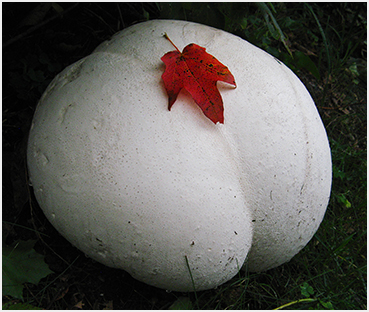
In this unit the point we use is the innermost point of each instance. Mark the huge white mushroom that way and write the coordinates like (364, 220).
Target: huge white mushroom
(162, 194)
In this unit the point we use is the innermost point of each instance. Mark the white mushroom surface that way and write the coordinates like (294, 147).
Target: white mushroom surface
(162, 194)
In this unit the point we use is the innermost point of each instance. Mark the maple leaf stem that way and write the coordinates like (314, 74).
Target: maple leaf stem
(166, 36)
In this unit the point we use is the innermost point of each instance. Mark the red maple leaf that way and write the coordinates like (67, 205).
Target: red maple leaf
(198, 72)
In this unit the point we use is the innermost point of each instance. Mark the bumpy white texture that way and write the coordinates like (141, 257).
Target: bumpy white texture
(140, 188)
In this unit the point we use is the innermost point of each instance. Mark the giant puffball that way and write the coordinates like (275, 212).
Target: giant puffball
(166, 194)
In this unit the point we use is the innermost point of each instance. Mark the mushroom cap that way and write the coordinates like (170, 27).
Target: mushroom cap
(162, 194)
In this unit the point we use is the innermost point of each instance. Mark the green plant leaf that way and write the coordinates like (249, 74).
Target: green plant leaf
(22, 264)
(306, 290)
(328, 305)
(304, 61)
(182, 303)
(342, 199)
(19, 306)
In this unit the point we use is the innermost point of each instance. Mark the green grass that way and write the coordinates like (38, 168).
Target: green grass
(325, 45)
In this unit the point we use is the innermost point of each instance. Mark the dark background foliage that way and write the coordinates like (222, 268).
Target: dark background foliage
(323, 43)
